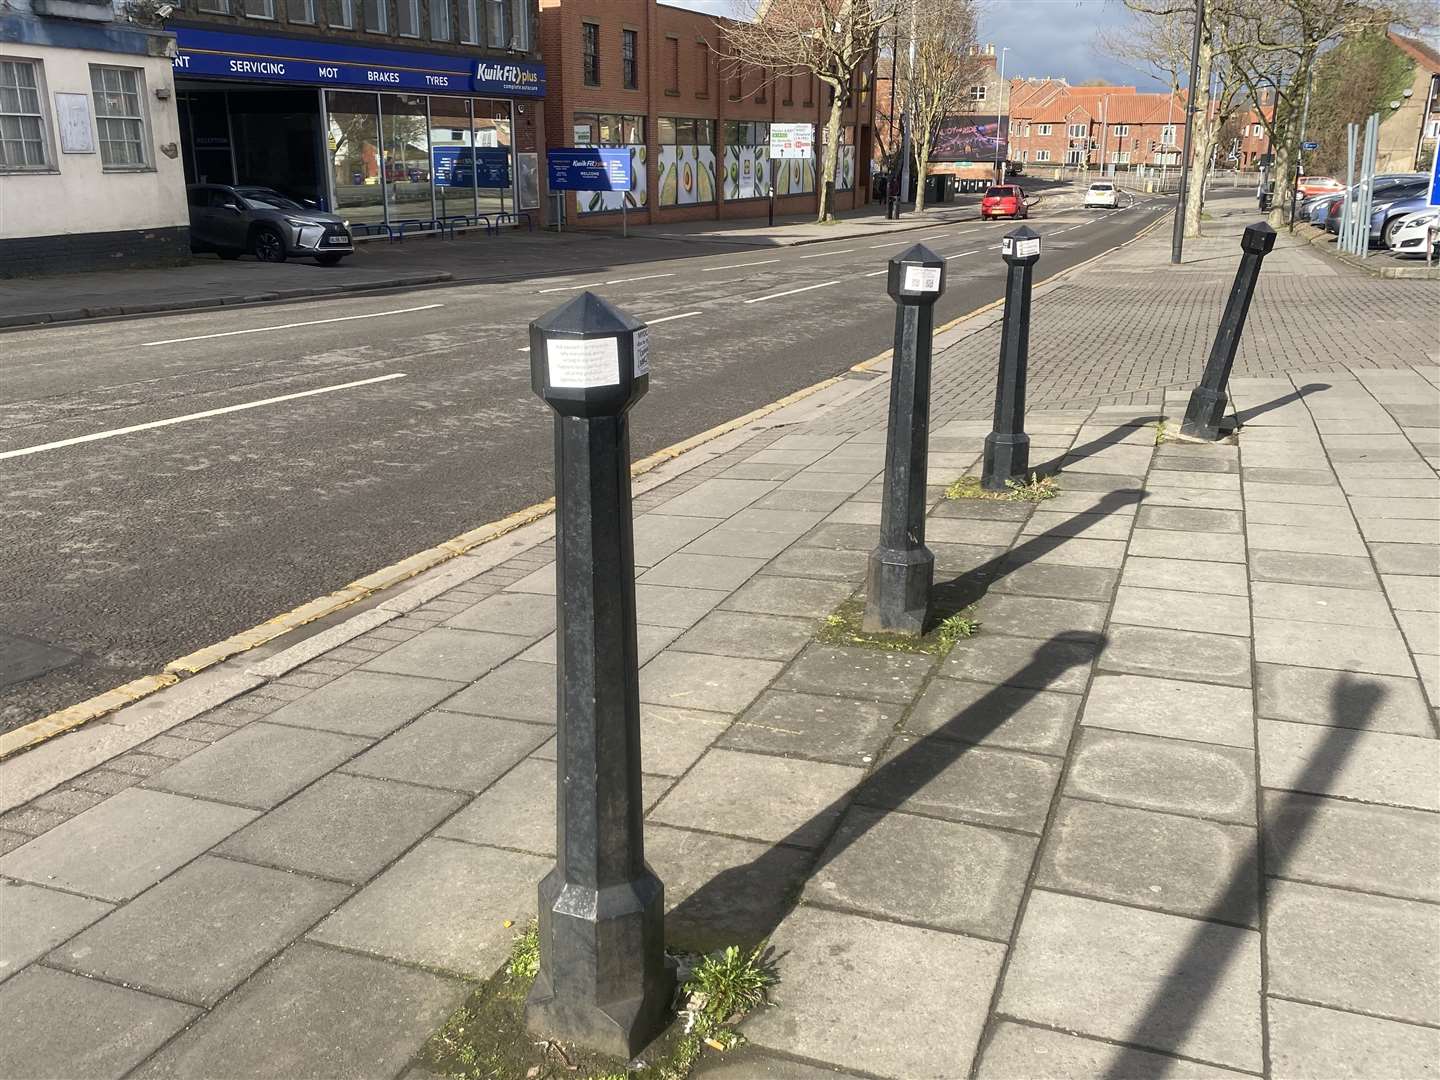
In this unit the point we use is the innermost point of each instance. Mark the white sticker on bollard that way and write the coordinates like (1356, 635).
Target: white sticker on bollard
(576, 363)
(922, 279)
(642, 352)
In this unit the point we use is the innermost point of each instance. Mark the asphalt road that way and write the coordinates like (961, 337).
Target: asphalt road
(125, 551)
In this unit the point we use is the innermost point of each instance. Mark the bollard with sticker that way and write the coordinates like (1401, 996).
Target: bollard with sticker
(1007, 447)
(604, 982)
(901, 569)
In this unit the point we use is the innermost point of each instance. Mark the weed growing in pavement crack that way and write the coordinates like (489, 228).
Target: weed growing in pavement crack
(843, 627)
(1037, 489)
(959, 625)
(1160, 434)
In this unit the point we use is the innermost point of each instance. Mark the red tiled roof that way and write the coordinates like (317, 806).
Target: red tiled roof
(1418, 51)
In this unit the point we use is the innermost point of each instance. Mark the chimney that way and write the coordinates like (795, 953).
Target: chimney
(990, 49)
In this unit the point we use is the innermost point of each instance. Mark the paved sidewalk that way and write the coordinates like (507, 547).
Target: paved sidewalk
(1172, 812)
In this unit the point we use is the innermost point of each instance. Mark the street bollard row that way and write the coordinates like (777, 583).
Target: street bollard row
(604, 980)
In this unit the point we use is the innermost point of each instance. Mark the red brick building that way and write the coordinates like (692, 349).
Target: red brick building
(655, 79)
(1053, 124)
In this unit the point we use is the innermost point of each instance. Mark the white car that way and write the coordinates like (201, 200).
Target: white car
(1102, 195)
(1413, 232)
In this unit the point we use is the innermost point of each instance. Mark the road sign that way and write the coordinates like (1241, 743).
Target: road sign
(1434, 199)
(1308, 146)
(792, 141)
(590, 169)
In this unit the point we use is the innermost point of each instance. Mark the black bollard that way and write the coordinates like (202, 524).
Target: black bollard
(604, 982)
(1007, 447)
(1208, 400)
(902, 569)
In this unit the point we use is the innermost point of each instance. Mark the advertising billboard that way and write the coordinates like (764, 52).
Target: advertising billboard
(971, 138)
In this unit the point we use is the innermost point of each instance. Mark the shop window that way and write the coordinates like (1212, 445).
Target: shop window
(258, 9)
(629, 40)
(405, 141)
(120, 117)
(469, 11)
(440, 20)
(340, 14)
(520, 25)
(614, 130)
(377, 16)
(300, 11)
(23, 144)
(498, 15)
(355, 155)
(702, 64)
(687, 160)
(408, 18)
(590, 51)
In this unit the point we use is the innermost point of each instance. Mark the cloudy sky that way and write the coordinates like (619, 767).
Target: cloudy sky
(1045, 37)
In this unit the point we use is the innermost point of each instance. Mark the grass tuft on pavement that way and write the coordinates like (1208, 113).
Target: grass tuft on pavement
(1036, 489)
(843, 627)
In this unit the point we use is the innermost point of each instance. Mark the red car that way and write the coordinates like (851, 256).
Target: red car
(1004, 200)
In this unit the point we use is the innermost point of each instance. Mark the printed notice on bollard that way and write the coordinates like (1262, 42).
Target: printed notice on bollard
(1007, 447)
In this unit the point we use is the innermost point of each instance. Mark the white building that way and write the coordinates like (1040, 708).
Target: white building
(90, 168)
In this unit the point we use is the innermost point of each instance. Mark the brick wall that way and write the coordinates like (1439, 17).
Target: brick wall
(74, 252)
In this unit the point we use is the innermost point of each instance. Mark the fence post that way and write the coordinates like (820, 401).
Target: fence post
(604, 982)
(901, 568)
(1007, 447)
(1208, 399)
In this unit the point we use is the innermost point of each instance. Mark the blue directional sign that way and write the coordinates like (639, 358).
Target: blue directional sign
(589, 169)
(1308, 146)
(1434, 199)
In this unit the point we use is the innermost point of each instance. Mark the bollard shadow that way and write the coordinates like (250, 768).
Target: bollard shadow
(1214, 947)
(749, 901)
(1245, 416)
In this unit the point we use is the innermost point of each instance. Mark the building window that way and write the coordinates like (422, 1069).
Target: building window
(340, 14)
(1167, 136)
(977, 93)
(440, 20)
(498, 14)
(22, 121)
(1042, 155)
(628, 69)
(1432, 129)
(259, 9)
(119, 115)
(300, 11)
(590, 50)
(760, 90)
(1077, 131)
(408, 18)
(702, 64)
(1072, 157)
(810, 93)
(469, 12)
(789, 98)
(1122, 130)
(377, 16)
(1042, 129)
(672, 46)
(214, 7)
(1258, 131)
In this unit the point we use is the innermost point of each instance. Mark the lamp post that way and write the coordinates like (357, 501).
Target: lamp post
(999, 110)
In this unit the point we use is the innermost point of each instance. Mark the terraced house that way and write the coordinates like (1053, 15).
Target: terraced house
(1056, 126)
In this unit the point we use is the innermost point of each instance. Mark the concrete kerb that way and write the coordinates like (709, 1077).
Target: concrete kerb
(647, 473)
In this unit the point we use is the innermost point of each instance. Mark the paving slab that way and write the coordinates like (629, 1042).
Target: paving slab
(722, 891)
(1342, 647)
(342, 827)
(1067, 551)
(945, 874)
(803, 798)
(749, 1064)
(1351, 845)
(1145, 650)
(716, 498)
(1370, 766)
(1189, 519)
(1160, 495)
(1339, 571)
(1202, 712)
(1354, 951)
(1415, 559)
(1421, 630)
(799, 597)
(862, 673)
(1060, 663)
(517, 811)
(818, 563)
(1013, 718)
(202, 931)
(517, 690)
(450, 750)
(1020, 1050)
(704, 681)
(314, 1013)
(1169, 775)
(1177, 609)
(830, 1008)
(54, 1024)
(1340, 699)
(958, 782)
(1322, 604)
(1162, 861)
(847, 731)
(672, 739)
(444, 905)
(1308, 1042)
(1041, 616)
(447, 653)
(1191, 575)
(1312, 541)
(370, 704)
(659, 535)
(683, 570)
(1068, 582)
(95, 852)
(522, 614)
(1203, 546)
(537, 581)
(649, 642)
(788, 499)
(36, 920)
(1144, 978)
(745, 634)
(970, 531)
(1395, 531)
(668, 605)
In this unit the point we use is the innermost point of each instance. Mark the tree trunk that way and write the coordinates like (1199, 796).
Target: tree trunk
(831, 155)
(1280, 169)
(1203, 136)
(922, 162)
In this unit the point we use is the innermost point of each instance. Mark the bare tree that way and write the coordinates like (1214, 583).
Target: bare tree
(945, 65)
(832, 39)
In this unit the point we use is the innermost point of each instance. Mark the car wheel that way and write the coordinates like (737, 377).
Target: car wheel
(329, 260)
(268, 245)
(1387, 234)
(227, 255)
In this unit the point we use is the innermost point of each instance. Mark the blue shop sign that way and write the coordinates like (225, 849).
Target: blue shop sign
(589, 169)
(216, 54)
(463, 167)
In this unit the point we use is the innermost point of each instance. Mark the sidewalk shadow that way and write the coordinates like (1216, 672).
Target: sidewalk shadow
(1245, 416)
(1176, 1007)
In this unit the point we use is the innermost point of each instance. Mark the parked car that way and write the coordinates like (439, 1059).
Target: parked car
(234, 220)
(1386, 215)
(1413, 231)
(1102, 194)
(1317, 185)
(1004, 200)
(1384, 188)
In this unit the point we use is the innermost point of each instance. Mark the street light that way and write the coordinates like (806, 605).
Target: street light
(1177, 233)
(999, 108)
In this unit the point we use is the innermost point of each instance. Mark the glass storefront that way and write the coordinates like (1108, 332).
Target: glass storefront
(614, 130)
(413, 158)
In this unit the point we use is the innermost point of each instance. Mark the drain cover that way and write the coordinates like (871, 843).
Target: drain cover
(24, 658)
